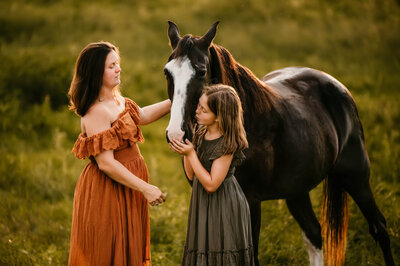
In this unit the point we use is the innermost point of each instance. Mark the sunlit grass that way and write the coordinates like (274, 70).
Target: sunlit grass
(357, 42)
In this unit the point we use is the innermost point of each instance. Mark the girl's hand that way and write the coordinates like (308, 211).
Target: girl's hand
(154, 195)
(181, 148)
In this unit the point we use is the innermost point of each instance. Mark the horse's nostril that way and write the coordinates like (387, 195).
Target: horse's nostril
(166, 135)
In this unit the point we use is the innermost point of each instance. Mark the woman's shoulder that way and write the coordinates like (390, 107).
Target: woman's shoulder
(96, 110)
(95, 116)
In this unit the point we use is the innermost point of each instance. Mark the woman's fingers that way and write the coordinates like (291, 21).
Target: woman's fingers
(161, 199)
(164, 196)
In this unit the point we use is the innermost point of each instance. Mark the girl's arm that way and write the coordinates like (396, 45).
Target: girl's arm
(210, 180)
(97, 120)
(188, 168)
(151, 113)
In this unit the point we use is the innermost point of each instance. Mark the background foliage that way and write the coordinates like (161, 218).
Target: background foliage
(358, 42)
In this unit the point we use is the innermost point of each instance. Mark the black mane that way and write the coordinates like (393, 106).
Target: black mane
(255, 95)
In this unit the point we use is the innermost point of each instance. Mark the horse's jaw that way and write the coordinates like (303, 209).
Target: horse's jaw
(182, 72)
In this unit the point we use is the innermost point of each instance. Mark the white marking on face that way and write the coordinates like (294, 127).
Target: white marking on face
(315, 254)
(182, 72)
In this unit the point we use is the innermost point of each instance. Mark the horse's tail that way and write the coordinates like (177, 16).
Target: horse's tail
(334, 221)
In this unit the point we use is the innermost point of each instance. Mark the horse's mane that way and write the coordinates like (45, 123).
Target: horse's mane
(255, 95)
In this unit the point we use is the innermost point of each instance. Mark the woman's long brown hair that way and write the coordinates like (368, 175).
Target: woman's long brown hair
(88, 76)
(224, 102)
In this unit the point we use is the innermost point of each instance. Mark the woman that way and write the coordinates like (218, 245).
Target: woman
(110, 224)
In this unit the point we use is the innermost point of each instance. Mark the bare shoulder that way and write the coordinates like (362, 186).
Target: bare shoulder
(121, 98)
(96, 120)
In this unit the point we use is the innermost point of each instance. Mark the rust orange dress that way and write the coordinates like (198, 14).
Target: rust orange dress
(110, 222)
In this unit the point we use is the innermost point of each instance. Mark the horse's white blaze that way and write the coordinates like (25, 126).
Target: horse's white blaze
(182, 72)
(315, 254)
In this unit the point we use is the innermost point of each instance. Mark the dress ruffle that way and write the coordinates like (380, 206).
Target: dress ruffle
(227, 257)
(125, 128)
(238, 157)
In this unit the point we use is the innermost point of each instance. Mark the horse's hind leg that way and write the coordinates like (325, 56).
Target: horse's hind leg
(352, 170)
(377, 223)
(362, 195)
(301, 209)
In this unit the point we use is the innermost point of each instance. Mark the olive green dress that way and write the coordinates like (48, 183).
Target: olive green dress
(219, 227)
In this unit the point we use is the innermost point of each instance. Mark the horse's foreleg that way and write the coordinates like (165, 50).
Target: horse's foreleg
(301, 209)
(255, 212)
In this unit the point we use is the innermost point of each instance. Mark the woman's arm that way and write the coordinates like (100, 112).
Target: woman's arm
(115, 170)
(151, 113)
(219, 169)
(97, 120)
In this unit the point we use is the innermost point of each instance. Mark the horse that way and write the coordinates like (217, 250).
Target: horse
(302, 127)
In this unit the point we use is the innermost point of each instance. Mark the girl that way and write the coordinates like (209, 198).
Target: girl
(219, 228)
(110, 223)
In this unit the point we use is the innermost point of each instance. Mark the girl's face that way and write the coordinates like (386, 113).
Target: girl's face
(111, 76)
(204, 116)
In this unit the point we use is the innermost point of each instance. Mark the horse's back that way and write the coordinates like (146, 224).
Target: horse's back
(316, 93)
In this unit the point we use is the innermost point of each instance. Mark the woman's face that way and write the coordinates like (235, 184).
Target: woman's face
(204, 115)
(111, 76)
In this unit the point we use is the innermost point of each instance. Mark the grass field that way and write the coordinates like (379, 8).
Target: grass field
(358, 42)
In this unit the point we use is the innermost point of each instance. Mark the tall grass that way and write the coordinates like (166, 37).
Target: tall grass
(357, 42)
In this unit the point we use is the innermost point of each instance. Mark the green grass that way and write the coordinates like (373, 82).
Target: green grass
(355, 41)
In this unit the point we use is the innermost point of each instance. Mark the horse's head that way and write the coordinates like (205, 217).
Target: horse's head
(186, 73)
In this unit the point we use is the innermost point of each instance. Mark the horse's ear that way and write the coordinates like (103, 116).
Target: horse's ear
(173, 34)
(205, 41)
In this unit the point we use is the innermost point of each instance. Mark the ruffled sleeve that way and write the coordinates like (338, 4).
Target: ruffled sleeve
(133, 110)
(216, 151)
(238, 157)
(125, 128)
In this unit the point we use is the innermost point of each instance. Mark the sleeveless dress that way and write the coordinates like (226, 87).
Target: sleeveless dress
(219, 226)
(110, 222)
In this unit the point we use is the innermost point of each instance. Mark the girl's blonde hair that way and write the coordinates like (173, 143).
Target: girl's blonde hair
(225, 103)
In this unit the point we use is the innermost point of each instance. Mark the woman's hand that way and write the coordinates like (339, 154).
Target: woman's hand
(181, 148)
(154, 195)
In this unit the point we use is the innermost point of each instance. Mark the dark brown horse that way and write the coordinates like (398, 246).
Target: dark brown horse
(302, 127)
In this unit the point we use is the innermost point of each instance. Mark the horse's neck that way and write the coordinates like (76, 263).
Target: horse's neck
(255, 95)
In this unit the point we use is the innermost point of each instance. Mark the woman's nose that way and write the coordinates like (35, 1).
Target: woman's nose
(118, 69)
